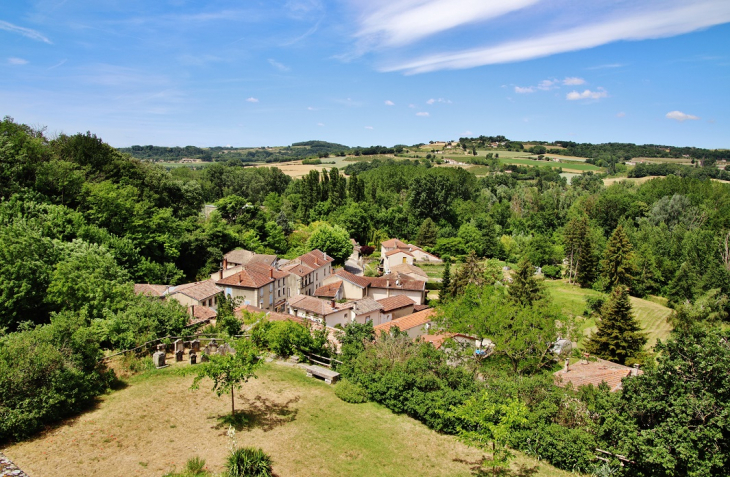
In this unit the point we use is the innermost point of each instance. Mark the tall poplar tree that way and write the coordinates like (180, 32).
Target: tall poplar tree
(619, 336)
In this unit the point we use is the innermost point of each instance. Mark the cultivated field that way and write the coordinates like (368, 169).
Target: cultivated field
(156, 423)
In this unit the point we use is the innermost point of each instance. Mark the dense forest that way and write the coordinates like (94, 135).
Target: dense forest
(81, 221)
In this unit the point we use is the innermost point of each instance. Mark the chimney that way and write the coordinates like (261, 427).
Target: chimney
(191, 310)
(332, 303)
(271, 273)
(635, 370)
(316, 260)
(567, 365)
(225, 263)
(387, 283)
(220, 275)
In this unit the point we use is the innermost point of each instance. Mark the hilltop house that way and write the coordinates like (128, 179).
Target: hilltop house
(394, 252)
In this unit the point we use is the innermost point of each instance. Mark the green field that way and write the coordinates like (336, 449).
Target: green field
(155, 423)
(651, 315)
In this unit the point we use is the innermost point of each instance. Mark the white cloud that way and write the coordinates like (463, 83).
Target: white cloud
(17, 61)
(521, 90)
(411, 105)
(680, 116)
(661, 22)
(573, 81)
(389, 103)
(368, 127)
(320, 124)
(311, 108)
(252, 100)
(400, 22)
(26, 32)
(423, 113)
(467, 133)
(546, 85)
(279, 66)
(587, 94)
(620, 115)
(440, 100)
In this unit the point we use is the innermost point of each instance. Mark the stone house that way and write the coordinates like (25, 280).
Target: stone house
(258, 285)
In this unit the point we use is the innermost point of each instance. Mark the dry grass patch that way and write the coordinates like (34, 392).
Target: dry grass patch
(156, 423)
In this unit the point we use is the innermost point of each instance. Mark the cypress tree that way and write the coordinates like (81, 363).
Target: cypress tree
(619, 336)
(525, 289)
(587, 265)
(618, 263)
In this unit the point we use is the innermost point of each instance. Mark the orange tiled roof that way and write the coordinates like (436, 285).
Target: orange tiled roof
(297, 268)
(406, 268)
(329, 291)
(198, 290)
(398, 250)
(407, 322)
(362, 282)
(393, 243)
(420, 307)
(398, 282)
(150, 289)
(594, 373)
(316, 305)
(395, 302)
(201, 314)
(253, 275)
(315, 259)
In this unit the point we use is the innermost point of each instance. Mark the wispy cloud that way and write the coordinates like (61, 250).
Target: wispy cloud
(26, 32)
(525, 90)
(281, 67)
(423, 114)
(17, 61)
(587, 94)
(320, 124)
(620, 115)
(310, 108)
(252, 100)
(369, 127)
(603, 67)
(389, 103)
(663, 21)
(681, 117)
(440, 100)
(400, 22)
(573, 81)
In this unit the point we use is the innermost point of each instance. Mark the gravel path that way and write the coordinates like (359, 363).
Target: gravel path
(7, 468)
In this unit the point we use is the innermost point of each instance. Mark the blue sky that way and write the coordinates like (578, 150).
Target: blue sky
(365, 72)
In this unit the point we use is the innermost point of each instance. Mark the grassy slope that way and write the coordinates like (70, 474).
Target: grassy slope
(651, 315)
(156, 423)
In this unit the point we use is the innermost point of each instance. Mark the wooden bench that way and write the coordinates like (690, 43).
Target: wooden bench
(329, 376)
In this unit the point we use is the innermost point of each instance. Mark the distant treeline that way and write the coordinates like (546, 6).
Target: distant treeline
(643, 170)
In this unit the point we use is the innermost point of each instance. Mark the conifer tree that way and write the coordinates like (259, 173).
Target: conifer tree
(427, 233)
(445, 279)
(619, 336)
(472, 273)
(618, 261)
(684, 284)
(525, 289)
(587, 262)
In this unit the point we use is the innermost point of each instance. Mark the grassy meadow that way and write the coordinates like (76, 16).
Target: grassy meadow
(155, 423)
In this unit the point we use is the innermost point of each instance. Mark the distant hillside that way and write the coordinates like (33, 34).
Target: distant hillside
(299, 150)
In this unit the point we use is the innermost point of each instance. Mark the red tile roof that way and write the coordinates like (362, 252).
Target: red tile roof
(408, 322)
(420, 307)
(397, 282)
(329, 291)
(201, 314)
(393, 243)
(315, 259)
(270, 315)
(297, 268)
(198, 290)
(253, 275)
(150, 290)
(395, 302)
(406, 268)
(436, 340)
(316, 305)
(594, 372)
(362, 282)
(398, 250)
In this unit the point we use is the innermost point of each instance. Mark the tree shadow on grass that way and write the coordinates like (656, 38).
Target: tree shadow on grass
(259, 413)
(482, 468)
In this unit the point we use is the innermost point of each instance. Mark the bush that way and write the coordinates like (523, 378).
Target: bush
(350, 392)
(551, 271)
(367, 250)
(594, 304)
(433, 285)
(195, 465)
(285, 338)
(248, 462)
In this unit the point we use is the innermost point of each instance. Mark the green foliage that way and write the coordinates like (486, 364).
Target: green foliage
(525, 290)
(427, 233)
(552, 271)
(708, 311)
(618, 265)
(332, 240)
(472, 273)
(230, 371)
(350, 392)
(619, 337)
(248, 461)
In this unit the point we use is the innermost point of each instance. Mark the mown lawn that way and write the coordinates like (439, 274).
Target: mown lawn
(651, 314)
(156, 423)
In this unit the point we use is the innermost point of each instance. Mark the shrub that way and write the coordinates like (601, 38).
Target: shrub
(248, 462)
(551, 271)
(285, 337)
(594, 304)
(350, 392)
(195, 465)
(433, 286)
(367, 250)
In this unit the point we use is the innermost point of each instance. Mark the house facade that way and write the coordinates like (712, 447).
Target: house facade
(307, 272)
(257, 285)
(392, 285)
